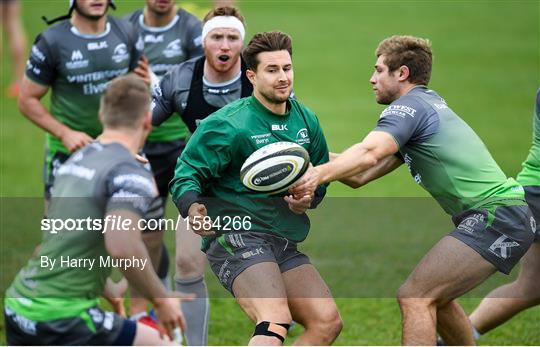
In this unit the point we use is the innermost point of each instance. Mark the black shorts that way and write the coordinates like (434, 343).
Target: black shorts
(163, 157)
(51, 163)
(532, 195)
(92, 327)
(232, 253)
(501, 236)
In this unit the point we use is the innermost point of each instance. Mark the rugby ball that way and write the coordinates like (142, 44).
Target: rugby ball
(274, 167)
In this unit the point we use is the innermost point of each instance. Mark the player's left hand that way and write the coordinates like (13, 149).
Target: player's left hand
(307, 184)
(299, 206)
(114, 293)
(143, 70)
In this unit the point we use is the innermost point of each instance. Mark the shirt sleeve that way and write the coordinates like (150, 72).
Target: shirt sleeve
(130, 187)
(318, 154)
(408, 121)
(136, 45)
(163, 99)
(194, 42)
(41, 65)
(206, 156)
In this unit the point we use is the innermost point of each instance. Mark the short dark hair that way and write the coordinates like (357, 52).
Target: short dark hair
(265, 42)
(125, 102)
(224, 11)
(413, 52)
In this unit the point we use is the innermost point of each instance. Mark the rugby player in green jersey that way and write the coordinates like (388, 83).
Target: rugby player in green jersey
(256, 257)
(506, 301)
(76, 59)
(494, 226)
(171, 35)
(54, 299)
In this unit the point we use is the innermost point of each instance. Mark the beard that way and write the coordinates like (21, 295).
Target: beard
(275, 98)
(386, 97)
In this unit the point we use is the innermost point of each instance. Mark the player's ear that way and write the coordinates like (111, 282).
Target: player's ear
(250, 74)
(403, 73)
(147, 121)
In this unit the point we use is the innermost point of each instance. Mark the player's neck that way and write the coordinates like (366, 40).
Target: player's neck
(88, 26)
(131, 141)
(280, 108)
(407, 88)
(154, 20)
(213, 76)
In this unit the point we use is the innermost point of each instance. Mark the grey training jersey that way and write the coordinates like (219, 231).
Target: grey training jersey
(168, 46)
(173, 92)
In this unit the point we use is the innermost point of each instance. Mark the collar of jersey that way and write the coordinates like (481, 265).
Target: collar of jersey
(157, 29)
(222, 84)
(75, 31)
(260, 107)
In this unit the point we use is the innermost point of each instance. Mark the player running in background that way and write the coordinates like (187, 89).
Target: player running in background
(194, 90)
(447, 158)
(171, 35)
(57, 304)
(76, 59)
(259, 262)
(12, 25)
(506, 301)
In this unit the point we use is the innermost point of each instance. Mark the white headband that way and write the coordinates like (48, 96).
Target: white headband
(223, 22)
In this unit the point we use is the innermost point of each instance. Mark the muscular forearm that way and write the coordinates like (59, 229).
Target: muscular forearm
(33, 109)
(353, 161)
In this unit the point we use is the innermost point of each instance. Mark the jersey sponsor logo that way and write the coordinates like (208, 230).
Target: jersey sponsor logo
(151, 38)
(96, 76)
(136, 181)
(440, 106)
(408, 161)
(77, 171)
(37, 54)
(120, 53)
(261, 139)
(398, 110)
(302, 137)
(94, 46)
(224, 273)
(502, 247)
(279, 127)
(173, 49)
(218, 91)
(30, 67)
(77, 61)
(134, 199)
(197, 41)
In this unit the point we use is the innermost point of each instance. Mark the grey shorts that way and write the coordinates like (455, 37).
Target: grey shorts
(501, 236)
(92, 327)
(232, 253)
(532, 195)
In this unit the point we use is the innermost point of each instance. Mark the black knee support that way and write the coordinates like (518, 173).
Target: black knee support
(278, 330)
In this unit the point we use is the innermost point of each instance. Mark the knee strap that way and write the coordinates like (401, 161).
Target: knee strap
(278, 330)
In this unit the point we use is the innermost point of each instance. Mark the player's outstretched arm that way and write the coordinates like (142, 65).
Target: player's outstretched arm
(383, 167)
(358, 158)
(31, 107)
(144, 279)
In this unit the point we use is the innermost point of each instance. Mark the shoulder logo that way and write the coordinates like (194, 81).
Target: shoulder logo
(120, 53)
(399, 110)
(174, 49)
(77, 60)
(302, 136)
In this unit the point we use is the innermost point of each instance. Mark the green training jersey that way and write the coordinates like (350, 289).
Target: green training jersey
(444, 155)
(209, 168)
(78, 68)
(166, 47)
(96, 181)
(530, 174)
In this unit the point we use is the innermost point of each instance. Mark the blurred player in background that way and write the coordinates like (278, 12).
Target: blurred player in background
(12, 26)
(76, 59)
(57, 304)
(193, 90)
(447, 158)
(259, 264)
(506, 301)
(171, 35)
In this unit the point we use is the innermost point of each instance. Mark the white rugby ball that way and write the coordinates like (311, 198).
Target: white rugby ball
(274, 167)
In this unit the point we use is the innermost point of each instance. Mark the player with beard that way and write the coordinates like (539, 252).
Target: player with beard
(171, 35)
(259, 262)
(76, 59)
(493, 225)
(193, 90)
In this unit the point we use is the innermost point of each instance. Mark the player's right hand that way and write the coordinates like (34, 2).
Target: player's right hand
(74, 140)
(199, 221)
(169, 314)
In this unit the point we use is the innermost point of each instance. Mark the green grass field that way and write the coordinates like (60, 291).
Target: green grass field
(364, 242)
